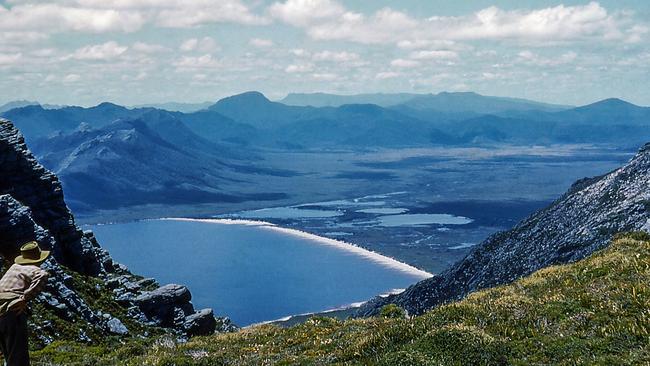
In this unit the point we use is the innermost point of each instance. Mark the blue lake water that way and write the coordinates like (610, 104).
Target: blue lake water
(255, 272)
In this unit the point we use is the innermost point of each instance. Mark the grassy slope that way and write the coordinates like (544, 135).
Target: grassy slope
(596, 311)
(45, 323)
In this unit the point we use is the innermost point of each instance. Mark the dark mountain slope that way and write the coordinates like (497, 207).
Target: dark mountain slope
(153, 159)
(605, 112)
(36, 122)
(336, 100)
(463, 102)
(176, 107)
(358, 125)
(216, 127)
(255, 109)
(574, 226)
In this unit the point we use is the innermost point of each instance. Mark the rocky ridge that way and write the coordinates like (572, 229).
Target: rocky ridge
(32, 207)
(580, 222)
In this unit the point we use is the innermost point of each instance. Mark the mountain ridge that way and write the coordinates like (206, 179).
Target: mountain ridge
(580, 222)
(320, 99)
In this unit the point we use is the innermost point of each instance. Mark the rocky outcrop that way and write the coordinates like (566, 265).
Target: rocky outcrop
(32, 207)
(170, 306)
(167, 305)
(200, 323)
(577, 224)
(28, 183)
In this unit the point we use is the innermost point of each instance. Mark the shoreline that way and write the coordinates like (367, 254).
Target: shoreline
(354, 305)
(339, 244)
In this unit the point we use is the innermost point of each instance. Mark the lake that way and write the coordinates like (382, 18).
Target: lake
(253, 271)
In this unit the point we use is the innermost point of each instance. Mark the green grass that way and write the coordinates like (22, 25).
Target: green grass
(46, 323)
(593, 312)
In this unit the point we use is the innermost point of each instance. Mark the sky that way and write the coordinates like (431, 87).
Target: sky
(83, 52)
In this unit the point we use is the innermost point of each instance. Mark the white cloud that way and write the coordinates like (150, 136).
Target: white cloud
(490, 76)
(189, 45)
(141, 76)
(404, 63)
(305, 12)
(105, 51)
(387, 75)
(260, 43)
(44, 52)
(200, 62)
(641, 60)
(382, 27)
(342, 56)
(100, 16)
(436, 81)
(55, 17)
(10, 59)
(148, 48)
(428, 43)
(531, 58)
(187, 14)
(299, 52)
(329, 20)
(553, 23)
(299, 68)
(433, 55)
(204, 45)
(325, 76)
(20, 38)
(71, 78)
(636, 33)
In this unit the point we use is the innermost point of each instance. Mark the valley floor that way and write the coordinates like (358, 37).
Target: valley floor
(494, 187)
(595, 311)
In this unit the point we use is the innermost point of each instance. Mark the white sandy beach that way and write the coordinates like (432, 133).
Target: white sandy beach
(349, 247)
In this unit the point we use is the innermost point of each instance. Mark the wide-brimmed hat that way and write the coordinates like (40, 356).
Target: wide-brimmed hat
(31, 253)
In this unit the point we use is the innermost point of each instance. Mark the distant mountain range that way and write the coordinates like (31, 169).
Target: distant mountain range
(15, 104)
(24, 103)
(336, 100)
(127, 151)
(177, 107)
(458, 102)
(251, 119)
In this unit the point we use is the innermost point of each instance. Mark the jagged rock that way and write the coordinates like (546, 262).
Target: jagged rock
(574, 226)
(125, 298)
(30, 184)
(146, 282)
(115, 326)
(200, 323)
(225, 325)
(168, 305)
(17, 226)
(83, 337)
(116, 282)
(166, 295)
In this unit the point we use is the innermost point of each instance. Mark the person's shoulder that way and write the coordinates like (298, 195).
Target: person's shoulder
(13, 267)
(13, 271)
(28, 268)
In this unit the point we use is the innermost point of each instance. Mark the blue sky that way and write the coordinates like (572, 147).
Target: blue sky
(144, 51)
